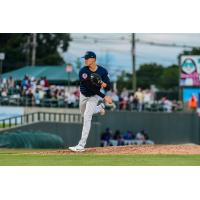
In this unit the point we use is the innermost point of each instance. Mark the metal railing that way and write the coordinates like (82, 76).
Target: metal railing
(45, 102)
(40, 117)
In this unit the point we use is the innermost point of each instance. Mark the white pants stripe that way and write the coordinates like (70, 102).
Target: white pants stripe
(88, 107)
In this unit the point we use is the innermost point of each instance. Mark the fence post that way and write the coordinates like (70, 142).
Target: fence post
(15, 121)
(9, 122)
(32, 117)
(38, 116)
(27, 118)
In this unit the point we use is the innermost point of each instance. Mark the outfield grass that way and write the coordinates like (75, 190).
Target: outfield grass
(17, 158)
(7, 125)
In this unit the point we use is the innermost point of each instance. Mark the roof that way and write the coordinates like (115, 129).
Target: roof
(52, 73)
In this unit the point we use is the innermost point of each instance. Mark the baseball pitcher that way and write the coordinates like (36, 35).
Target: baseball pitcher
(92, 78)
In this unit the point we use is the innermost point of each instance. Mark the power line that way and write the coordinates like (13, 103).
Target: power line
(125, 39)
(164, 44)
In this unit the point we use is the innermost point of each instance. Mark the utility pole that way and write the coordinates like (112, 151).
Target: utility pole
(134, 86)
(28, 49)
(34, 45)
(2, 57)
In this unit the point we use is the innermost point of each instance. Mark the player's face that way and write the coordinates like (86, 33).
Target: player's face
(89, 61)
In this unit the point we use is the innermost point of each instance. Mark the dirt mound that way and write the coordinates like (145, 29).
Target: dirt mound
(134, 150)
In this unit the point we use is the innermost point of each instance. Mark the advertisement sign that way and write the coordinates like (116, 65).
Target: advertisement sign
(69, 68)
(190, 71)
(2, 56)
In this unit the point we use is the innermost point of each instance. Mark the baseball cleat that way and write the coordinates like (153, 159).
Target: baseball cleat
(77, 148)
(102, 110)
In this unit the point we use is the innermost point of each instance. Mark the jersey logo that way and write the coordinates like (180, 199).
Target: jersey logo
(84, 75)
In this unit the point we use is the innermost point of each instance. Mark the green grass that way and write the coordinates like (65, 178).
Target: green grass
(18, 158)
(7, 125)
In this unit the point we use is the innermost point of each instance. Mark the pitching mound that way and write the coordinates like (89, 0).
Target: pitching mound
(135, 149)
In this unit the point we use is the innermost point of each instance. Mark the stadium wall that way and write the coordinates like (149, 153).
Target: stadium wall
(163, 128)
(69, 132)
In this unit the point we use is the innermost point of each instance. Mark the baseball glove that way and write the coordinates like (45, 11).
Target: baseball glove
(96, 79)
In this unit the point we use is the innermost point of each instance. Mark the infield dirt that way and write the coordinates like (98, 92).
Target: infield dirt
(133, 150)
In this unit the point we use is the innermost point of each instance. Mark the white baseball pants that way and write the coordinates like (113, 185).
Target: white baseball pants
(88, 107)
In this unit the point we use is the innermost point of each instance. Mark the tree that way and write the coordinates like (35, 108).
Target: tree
(194, 51)
(149, 74)
(47, 48)
(13, 45)
(18, 48)
(170, 78)
(124, 81)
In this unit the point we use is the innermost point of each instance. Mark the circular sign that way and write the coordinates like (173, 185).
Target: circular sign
(69, 68)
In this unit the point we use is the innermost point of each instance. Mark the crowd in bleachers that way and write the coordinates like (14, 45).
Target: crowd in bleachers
(38, 92)
(108, 138)
(142, 100)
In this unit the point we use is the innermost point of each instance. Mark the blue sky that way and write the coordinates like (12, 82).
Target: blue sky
(114, 50)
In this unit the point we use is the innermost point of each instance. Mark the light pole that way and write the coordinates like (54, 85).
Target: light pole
(34, 45)
(134, 86)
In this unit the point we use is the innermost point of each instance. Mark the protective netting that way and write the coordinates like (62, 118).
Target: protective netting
(30, 139)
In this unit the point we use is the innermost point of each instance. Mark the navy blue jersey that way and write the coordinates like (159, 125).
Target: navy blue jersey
(86, 87)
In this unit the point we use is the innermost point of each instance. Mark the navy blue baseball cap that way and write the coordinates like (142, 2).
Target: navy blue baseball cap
(89, 54)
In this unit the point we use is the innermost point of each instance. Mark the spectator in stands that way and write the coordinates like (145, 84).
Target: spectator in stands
(148, 99)
(115, 99)
(25, 83)
(174, 106)
(179, 105)
(140, 96)
(192, 103)
(61, 99)
(10, 85)
(42, 82)
(123, 99)
(46, 82)
(77, 92)
(37, 97)
(33, 84)
(48, 94)
(71, 101)
(124, 93)
(30, 97)
(4, 92)
(131, 101)
(167, 104)
(42, 94)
